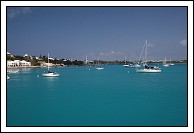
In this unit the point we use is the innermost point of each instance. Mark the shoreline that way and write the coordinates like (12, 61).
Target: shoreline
(8, 67)
(17, 67)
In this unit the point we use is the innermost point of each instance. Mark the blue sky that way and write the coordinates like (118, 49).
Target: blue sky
(110, 33)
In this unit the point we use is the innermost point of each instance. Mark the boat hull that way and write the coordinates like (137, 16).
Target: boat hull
(166, 65)
(148, 71)
(50, 75)
(99, 68)
(126, 65)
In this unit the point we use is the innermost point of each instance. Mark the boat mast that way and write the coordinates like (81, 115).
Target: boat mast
(98, 61)
(141, 53)
(48, 61)
(146, 51)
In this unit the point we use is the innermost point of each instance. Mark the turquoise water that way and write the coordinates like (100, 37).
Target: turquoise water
(83, 96)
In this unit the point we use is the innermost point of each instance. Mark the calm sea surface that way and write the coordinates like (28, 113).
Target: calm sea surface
(83, 96)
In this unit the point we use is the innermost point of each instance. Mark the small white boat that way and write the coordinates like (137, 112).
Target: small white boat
(131, 66)
(171, 64)
(126, 65)
(165, 64)
(49, 73)
(7, 77)
(99, 68)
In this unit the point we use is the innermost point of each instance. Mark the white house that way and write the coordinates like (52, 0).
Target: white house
(11, 63)
(25, 63)
(47, 64)
(18, 63)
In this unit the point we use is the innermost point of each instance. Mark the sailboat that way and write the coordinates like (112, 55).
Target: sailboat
(126, 63)
(148, 69)
(99, 68)
(165, 63)
(171, 64)
(49, 73)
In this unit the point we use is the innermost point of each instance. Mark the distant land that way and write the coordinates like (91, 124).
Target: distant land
(41, 60)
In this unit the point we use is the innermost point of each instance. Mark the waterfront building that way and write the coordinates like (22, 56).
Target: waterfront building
(18, 63)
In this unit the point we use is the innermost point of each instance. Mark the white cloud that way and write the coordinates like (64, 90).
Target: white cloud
(14, 12)
(184, 42)
(110, 53)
